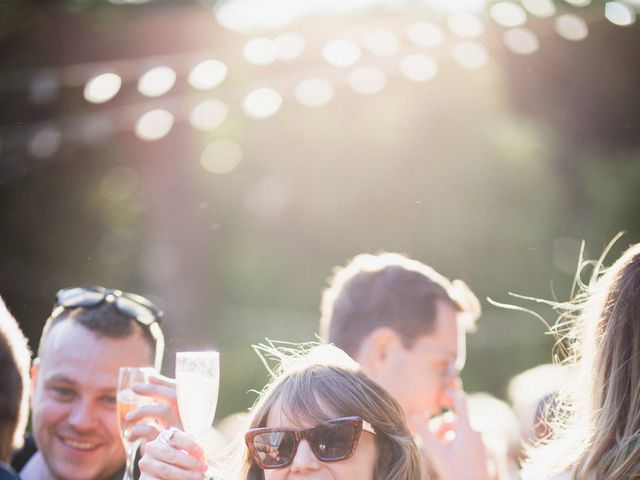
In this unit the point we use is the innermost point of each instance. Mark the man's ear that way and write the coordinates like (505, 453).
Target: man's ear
(376, 350)
(35, 369)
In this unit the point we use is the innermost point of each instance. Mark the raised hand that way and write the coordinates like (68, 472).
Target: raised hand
(173, 455)
(149, 419)
(452, 450)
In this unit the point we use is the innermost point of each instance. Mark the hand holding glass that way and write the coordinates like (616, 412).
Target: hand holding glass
(128, 401)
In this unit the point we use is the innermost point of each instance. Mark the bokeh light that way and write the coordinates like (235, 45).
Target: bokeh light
(95, 128)
(119, 184)
(245, 16)
(220, 157)
(471, 54)
(341, 53)
(572, 27)
(209, 114)
(579, 3)
(418, 67)
(157, 81)
(619, 14)
(455, 6)
(45, 142)
(290, 45)
(260, 51)
(262, 103)
(425, 34)
(381, 42)
(540, 8)
(102, 87)
(44, 87)
(508, 14)
(367, 80)
(270, 196)
(521, 41)
(465, 25)
(208, 74)
(314, 92)
(154, 125)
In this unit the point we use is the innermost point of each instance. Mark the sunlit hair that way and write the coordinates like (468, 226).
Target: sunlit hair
(596, 429)
(15, 359)
(314, 384)
(389, 290)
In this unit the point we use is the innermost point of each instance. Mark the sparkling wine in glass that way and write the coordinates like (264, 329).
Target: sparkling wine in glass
(127, 401)
(198, 378)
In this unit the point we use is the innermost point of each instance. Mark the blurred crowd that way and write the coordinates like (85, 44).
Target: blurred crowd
(379, 398)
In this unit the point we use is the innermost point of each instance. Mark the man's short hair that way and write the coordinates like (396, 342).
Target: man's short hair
(104, 320)
(15, 360)
(389, 290)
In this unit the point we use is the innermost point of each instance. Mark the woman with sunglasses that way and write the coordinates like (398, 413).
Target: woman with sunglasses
(319, 417)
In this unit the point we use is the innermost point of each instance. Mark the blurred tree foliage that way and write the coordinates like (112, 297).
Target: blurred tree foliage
(493, 176)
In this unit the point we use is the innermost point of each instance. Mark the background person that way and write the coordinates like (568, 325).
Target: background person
(405, 324)
(15, 360)
(594, 434)
(347, 427)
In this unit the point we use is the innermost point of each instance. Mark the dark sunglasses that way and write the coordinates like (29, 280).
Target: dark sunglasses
(127, 304)
(332, 441)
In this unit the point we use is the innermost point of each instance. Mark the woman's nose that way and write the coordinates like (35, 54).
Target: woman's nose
(304, 460)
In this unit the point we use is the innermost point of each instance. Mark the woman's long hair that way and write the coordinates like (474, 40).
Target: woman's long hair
(596, 431)
(322, 383)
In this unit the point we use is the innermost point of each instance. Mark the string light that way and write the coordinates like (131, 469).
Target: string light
(157, 81)
(619, 14)
(154, 125)
(102, 88)
(262, 103)
(571, 27)
(314, 92)
(44, 86)
(521, 41)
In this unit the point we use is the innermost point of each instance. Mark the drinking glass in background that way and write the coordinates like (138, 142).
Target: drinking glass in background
(127, 401)
(198, 379)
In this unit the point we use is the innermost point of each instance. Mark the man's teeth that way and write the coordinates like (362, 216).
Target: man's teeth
(79, 445)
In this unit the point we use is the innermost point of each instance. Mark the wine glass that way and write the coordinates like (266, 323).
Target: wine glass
(198, 378)
(126, 401)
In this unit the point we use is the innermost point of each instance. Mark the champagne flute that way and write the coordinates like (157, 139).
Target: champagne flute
(127, 401)
(198, 378)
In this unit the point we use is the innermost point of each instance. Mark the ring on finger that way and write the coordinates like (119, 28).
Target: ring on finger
(166, 436)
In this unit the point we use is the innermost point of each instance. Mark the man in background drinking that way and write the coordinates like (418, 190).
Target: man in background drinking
(405, 324)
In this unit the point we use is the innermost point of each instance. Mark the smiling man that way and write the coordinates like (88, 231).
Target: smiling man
(91, 333)
(405, 324)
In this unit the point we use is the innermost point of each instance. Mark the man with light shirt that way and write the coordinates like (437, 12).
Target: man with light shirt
(405, 324)
(91, 333)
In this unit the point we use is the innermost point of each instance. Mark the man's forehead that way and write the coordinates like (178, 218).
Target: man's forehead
(69, 342)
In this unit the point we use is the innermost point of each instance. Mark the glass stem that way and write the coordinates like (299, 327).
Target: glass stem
(131, 450)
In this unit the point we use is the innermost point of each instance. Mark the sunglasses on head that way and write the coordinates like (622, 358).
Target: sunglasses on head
(127, 304)
(332, 441)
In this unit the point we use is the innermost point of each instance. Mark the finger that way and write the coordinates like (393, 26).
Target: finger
(143, 431)
(178, 439)
(459, 406)
(152, 467)
(160, 392)
(158, 450)
(157, 411)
